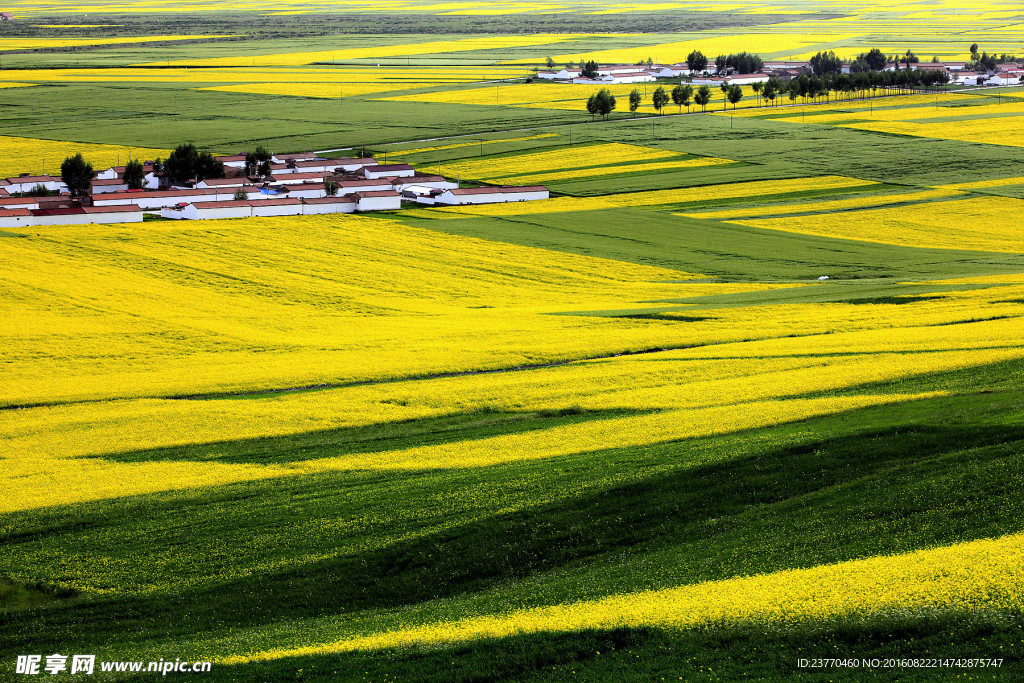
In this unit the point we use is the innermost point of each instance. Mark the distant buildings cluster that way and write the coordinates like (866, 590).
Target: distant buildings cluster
(785, 71)
(299, 184)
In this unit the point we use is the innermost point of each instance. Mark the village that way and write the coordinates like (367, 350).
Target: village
(299, 184)
(956, 73)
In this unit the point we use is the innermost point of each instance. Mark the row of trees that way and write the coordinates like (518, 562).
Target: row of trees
(805, 87)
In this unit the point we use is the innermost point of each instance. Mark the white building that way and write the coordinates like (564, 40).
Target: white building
(15, 218)
(101, 186)
(26, 183)
(234, 161)
(209, 210)
(329, 205)
(349, 186)
(492, 195)
(219, 183)
(295, 178)
(390, 170)
(381, 200)
(85, 215)
(433, 181)
(19, 202)
(1004, 78)
(746, 79)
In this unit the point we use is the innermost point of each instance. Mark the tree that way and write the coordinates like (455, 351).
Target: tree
(724, 87)
(634, 100)
(590, 69)
(768, 90)
(974, 51)
(659, 99)
(593, 106)
(77, 174)
(826, 63)
(696, 61)
(331, 187)
(650, 61)
(743, 62)
(681, 95)
(257, 162)
(604, 102)
(875, 59)
(550, 62)
(757, 88)
(702, 97)
(187, 163)
(134, 174)
(241, 195)
(735, 94)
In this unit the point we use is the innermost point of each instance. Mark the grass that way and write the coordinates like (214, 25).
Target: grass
(722, 250)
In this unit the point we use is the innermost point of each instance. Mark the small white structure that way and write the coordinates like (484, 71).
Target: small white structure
(1004, 78)
(26, 183)
(15, 218)
(348, 186)
(747, 79)
(85, 215)
(315, 166)
(276, 207)
(295, 178)
(547, 75)
(234, 161)
(661, 71)
(492, 195)
(349, 165)
(380, 200)
(102, 186)
(329, 205)
(222, 182)
(969, 78)
(19, 202)
(294, 157)
(391, 170)
(130, 213)
(210, 210)
(432, 181)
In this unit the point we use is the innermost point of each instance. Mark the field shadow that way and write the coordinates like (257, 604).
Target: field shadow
(708, 505)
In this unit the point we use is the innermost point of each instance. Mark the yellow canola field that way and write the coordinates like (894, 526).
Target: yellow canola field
(983, 184)
(614, 170)
(153, 302)
(982, 575)
(718, 384)
(32, 155)
(8, 44)
(401, 50)
(655, 197)
(983, 224)
(824, 206)
(1007, 130)
(997, 124)
(556, 160)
